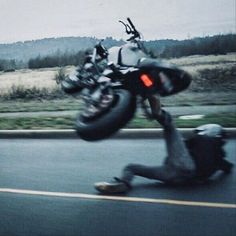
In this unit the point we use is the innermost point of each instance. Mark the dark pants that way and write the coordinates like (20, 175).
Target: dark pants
(178, 167)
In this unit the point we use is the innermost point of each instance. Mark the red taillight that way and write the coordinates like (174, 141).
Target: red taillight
(147, 80)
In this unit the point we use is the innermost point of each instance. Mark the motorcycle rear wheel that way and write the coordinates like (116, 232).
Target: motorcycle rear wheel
(120, 113)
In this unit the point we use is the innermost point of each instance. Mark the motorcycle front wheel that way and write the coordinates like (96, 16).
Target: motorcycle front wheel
(120, 113)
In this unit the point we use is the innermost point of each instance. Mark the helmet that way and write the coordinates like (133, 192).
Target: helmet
(211, 130)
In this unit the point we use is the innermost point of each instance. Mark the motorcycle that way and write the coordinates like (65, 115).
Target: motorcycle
(110, 81)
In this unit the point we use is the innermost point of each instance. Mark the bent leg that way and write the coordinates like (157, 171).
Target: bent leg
(177, 152)
(162, 173)
(177, 168)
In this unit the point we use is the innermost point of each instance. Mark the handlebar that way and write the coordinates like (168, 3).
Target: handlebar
(130, 29)
(131, 24)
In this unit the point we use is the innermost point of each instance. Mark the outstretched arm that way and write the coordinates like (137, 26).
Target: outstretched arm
(155, 104)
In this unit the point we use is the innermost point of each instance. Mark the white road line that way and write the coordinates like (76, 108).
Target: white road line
(118, 198)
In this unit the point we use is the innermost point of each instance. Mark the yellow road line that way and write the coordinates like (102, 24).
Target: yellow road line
(118, 198)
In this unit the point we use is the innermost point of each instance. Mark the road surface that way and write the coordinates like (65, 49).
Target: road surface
(46, 188)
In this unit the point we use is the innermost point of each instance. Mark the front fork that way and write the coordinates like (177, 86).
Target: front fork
(94, 95)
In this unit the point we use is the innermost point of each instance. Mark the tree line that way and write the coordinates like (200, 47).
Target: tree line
(219, 44)
(57, 60)
(11, 65)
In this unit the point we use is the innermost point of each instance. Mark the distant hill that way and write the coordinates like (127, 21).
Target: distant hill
(17, 55)
(50, 46)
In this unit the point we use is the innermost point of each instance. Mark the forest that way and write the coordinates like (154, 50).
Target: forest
(61, 52)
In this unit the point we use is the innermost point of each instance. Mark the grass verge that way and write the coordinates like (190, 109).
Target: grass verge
(67, 122)
(73, 102)
(40, 105)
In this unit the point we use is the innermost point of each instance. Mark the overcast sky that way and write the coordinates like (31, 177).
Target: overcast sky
(157, 19)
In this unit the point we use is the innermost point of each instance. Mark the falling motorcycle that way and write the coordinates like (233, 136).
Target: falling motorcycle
(111, 81)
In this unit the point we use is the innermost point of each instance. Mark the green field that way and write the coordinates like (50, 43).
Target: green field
(67, 122)
(214, 83)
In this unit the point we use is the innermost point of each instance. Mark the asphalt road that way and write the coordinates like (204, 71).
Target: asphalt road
(60, 171)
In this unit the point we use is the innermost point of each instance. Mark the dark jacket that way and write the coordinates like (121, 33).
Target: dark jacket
(208, 154)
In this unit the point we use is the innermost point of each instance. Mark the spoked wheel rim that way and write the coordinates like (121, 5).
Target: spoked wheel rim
(118, 115)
